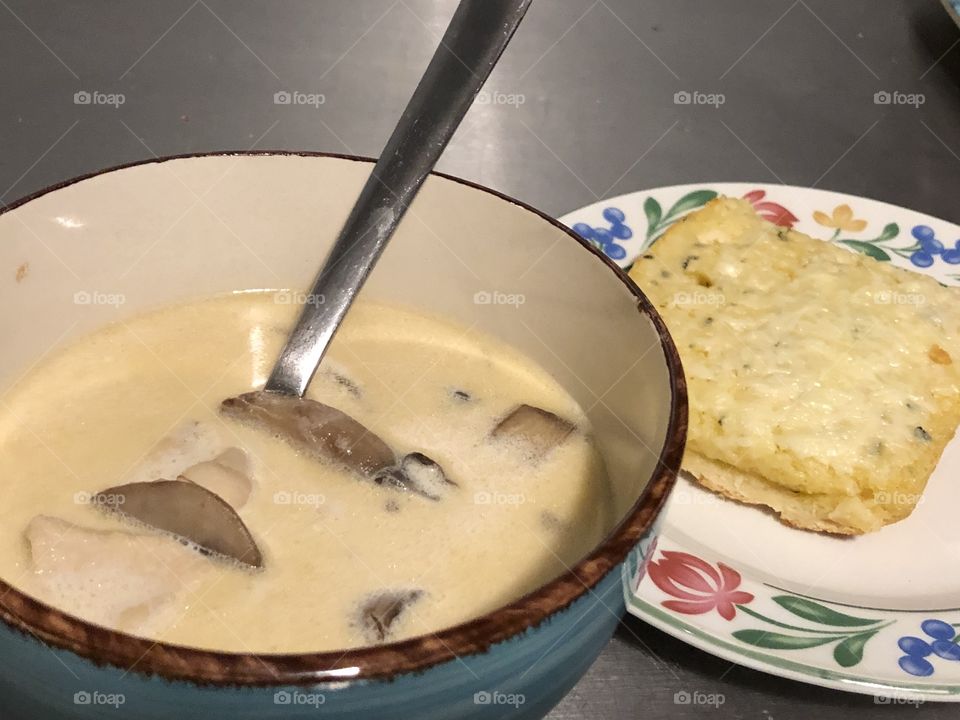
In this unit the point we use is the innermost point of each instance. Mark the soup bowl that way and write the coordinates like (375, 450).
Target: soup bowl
(107, 246)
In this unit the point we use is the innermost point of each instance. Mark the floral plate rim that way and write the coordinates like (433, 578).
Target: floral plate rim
(781, 666)
(892, 654)
(953, 9)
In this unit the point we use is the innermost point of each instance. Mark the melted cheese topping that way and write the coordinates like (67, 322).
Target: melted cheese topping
(820, 370)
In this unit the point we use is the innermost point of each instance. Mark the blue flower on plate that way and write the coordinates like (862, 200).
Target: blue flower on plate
(606, 238)
(928, 247)
(942, 642)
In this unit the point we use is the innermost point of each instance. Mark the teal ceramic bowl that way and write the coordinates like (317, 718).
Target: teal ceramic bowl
(173, 229)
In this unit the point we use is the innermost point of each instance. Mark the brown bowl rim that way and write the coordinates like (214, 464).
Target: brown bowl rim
(128, 653)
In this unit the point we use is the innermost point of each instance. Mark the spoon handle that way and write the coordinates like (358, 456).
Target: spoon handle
(471, 46)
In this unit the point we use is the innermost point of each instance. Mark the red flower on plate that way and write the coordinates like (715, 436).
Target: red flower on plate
(698, 586)
(774, 212)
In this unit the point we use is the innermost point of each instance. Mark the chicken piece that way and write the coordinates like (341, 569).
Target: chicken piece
(115, 578)
(227, 475)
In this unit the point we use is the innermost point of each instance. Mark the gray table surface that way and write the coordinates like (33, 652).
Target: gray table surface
(597, 80)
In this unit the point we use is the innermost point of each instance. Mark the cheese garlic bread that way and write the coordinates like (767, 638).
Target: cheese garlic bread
(823, 384)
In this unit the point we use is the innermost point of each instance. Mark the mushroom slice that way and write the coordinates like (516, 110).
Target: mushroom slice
(380, 612)
(330, 434)
(417, 473)
(346, 383)
(187, 510)
(537, 429)
(315, 428)
(227, 475)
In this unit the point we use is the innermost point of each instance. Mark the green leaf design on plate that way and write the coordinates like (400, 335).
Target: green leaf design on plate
(890, 230)
(657, 222)
(850, 651)
(868, 249)
(778, 641)
(690, 201)
(817, 631)
(815, 612)
(653, 212)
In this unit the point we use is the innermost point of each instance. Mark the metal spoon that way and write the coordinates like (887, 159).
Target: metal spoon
(471, 46)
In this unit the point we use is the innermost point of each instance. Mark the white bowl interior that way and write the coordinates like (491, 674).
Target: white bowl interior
(165, 232)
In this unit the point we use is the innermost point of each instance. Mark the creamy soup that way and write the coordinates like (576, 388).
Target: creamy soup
(485, 502)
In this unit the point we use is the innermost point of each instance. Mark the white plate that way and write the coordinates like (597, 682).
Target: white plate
(876, 614)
